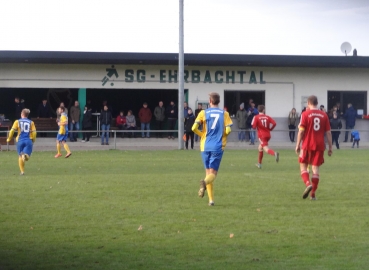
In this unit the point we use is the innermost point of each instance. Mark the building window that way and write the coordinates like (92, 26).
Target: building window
(358, 99)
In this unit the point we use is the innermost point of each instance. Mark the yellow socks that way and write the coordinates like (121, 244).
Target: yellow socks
(209, 178)
(58, 147)
(21, 164)
(210, 191)
(66, 147)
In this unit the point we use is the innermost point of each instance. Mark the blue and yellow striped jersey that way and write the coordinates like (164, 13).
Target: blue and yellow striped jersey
(63, 127)
(26, 129)
(214, 122)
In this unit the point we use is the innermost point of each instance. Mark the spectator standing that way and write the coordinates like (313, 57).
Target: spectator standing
(105, 120)
(241, 117)
(336, 124)
(189, 121)
(120, 122)
(197, 111)
(75, 115)
(159, 114)
(58, 113)
(332, 112)
(339, 110)
(87, 124)
(172, 114)
(252, 111)
(131, 122)
(350, 116)
(185, 109)
(293, 118)
(43, 111)
(145, 116)
(19, 106)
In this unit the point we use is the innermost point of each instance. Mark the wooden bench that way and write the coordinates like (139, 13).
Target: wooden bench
(45, 124)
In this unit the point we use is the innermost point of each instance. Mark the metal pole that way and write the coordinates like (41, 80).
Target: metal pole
(180, 79)
(115, 140)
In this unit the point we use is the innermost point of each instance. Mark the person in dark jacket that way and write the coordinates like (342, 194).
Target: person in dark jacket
(105, 120)
(350, 116)
(86, 124)
(43, 111)
(19, 106)
(159, 114)
(172, 114)
(336, 124)
(189, 121)
(145, 116)
(251, 112)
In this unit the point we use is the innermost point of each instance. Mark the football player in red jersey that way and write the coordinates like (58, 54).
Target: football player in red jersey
(313, 125)
(264, 124)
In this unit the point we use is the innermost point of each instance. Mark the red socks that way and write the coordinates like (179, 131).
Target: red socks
(261, 156)
(315, 182)
(305, 178)
(271, 152)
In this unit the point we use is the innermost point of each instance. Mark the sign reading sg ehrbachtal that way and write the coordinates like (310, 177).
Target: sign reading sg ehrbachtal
(195, 76)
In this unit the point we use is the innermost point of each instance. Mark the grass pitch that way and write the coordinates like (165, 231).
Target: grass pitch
(140, 210)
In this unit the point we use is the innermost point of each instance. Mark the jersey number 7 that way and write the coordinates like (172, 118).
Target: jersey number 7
(216, 116)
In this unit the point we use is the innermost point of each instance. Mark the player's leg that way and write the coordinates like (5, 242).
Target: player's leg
(205, 156)
(58, 149)
(270, 151)
(66, 147)
(314, 181)
(211, 173)
(20, 147)
(304, 161)
(27, 150)
(260, 157)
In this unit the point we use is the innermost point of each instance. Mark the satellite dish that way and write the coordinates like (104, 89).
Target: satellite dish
(346, 48)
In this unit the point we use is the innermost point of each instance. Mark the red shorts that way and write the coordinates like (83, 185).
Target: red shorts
(264, 141)
(314, 158)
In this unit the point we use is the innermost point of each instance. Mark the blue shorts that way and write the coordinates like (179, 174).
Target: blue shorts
(62, 137)
(212, 160)
(25, 147)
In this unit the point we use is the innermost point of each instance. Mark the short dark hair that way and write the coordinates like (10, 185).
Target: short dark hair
(261, 108)
(313, 100)
(215, 98)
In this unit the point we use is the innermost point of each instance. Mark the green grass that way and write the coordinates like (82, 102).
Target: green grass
(84, 212)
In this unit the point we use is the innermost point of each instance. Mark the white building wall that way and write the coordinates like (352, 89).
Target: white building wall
(283, 87)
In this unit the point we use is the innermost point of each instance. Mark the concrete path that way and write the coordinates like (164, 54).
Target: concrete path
(48, 144)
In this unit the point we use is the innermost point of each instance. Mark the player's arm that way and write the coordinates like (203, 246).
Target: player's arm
(228, 123)
(274, 124)
(300, 135)
(329, 137)
(12, 130)
(253, 123)
(33, 132)
(199, 120)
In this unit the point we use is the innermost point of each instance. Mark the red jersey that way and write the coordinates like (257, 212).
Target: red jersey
(264, 124)
(315, 123)
(121, 120)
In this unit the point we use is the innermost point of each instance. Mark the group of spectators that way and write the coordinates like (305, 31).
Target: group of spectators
(244, 117)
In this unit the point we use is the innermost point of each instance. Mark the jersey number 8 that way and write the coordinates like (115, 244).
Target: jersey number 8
(316, 124)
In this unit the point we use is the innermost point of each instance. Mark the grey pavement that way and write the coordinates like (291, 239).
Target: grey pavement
(48, 144)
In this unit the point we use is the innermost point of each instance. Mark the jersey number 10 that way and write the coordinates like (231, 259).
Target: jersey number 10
(24, 126)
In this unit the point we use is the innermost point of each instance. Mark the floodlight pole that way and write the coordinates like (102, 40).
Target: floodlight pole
(180, 79)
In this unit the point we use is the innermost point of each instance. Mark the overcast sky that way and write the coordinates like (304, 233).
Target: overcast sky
(310, 27)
